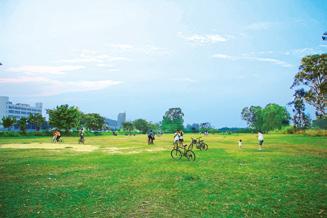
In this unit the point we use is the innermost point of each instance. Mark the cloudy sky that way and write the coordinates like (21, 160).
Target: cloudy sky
(211, 58)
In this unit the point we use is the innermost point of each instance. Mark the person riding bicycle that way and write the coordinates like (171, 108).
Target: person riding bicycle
(56, 135)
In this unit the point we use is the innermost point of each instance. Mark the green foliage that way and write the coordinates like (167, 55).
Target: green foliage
(8, 122)
(128, 126)
(141, 125)
(64, 117)
(22, 123)
(205, 127)
(173, 120)
(253, 116)
(37, 120)
(313, 75)
(320, 123)
(92, 121)
(273, 116)
(300, 119)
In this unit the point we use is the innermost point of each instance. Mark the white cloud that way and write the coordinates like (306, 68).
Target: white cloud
(44, 69)
(90, 56)
(203, 38)
(253, 58)
(222, 56)
(259, 25)
(49, 87)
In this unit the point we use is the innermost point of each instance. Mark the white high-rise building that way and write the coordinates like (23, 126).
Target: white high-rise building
(18, 110)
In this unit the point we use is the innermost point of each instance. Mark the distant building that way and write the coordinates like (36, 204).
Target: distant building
(112, 124)
(121, 118)
(18, 110)
(116, 124)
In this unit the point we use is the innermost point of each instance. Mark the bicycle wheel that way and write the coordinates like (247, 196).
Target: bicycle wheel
(176, 154)
(204, 147)
(190, 155)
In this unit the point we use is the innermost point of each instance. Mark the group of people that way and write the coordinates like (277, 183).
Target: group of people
(260, 141)
(57, 135)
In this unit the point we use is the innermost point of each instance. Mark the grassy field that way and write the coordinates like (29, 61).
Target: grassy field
(121, 176)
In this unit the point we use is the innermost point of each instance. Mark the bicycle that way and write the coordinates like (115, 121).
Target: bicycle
(55, 140)
(178, 152)
(199, 144)
(81, 140)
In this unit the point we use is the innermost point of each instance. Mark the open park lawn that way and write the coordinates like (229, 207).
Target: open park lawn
(122, 176)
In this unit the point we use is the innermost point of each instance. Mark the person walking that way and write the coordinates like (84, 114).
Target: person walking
(260, 139)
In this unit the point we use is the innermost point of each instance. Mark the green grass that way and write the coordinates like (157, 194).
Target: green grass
(287, 179)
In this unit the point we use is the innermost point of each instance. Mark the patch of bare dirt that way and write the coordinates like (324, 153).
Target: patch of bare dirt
(50, 146)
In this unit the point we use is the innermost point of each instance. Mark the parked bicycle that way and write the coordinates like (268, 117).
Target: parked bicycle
(199, 144)
(178, 152)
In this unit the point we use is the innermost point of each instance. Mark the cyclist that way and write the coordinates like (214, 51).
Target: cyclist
(56, 135)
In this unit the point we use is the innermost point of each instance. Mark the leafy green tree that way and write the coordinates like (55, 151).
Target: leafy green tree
(92, 121)
(22, 123)
(154, 127)
(173, 120)
(8, 122)
(253, 116)
(128, 126)
(300, 119)
(64, 117)
(275, 117)
(141, 125)
(205, 126)
(37, 120)
(312, 74)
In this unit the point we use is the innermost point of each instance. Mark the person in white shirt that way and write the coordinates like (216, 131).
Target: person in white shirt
(260, 139)
(240, 143)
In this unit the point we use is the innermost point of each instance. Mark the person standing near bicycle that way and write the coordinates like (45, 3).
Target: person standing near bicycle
(176, 138)
(181, 138)
(56, 135)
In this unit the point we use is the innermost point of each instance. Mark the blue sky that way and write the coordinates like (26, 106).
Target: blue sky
(211, 58)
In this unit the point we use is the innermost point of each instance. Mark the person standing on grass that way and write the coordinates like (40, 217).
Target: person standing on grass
(260, 139)
(81, 135)
(176, 138)
(181, 138)
(240, 143)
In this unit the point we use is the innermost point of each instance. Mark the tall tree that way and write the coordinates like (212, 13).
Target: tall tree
(275, 117)
(173, 120)
(141, 125)
(312, 74)
(205, 126)
(8, 122)
(22, 123)
(64, 117)
(300, 119)
(37, 120)
(253, 116)
(92, 121)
